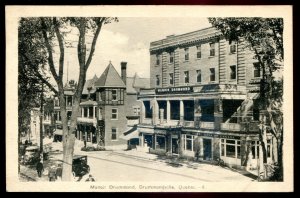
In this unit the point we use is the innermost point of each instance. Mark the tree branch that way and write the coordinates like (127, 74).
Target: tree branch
(39, 75)
(50, 56)
(46, 82)
(61, 48)
(99, 26)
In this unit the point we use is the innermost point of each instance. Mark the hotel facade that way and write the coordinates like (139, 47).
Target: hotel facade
(202, 100)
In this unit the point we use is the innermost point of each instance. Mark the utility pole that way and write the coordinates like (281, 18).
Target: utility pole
(41, 123)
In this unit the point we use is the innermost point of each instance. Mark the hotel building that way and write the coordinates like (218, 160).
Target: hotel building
(202, 99)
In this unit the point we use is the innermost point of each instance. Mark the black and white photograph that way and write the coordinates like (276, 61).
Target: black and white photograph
(149, 99)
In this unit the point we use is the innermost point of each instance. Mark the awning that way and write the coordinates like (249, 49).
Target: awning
(58, 132)
(130, 133)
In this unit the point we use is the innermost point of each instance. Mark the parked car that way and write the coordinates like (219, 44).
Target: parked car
(32, 155)
(80, 166)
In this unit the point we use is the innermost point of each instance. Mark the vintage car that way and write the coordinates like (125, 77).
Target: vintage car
(80, 166)
(32, 155)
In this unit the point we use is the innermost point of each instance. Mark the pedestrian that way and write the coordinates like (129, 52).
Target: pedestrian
(197, 154)
(59, 172)
(90, 179)
(84, 143)
(52, 174)
(39, 168)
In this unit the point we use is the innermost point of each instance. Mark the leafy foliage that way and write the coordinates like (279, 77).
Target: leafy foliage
(265, 37)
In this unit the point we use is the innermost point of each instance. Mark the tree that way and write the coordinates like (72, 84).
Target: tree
(31, 60)
(49, 33)
(265, 37)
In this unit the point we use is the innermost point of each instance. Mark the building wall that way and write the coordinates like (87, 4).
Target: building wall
(131, 102)
(221, 61)
(119, 123)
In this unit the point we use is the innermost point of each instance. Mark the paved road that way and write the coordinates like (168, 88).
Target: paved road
(135, 166)
(119, 167)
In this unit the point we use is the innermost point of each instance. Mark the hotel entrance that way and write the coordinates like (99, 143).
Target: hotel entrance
(207, 149)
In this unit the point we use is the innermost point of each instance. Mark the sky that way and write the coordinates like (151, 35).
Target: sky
(129, 40)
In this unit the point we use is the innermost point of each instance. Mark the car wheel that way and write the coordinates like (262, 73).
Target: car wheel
(74, 174)
(88, 169)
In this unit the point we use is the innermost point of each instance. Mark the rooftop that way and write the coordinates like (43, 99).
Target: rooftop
(184, 39)
(110, 78)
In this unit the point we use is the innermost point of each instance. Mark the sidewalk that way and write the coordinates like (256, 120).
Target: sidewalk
(174, 161)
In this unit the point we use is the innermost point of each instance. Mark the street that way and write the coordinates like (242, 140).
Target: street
(137, 165)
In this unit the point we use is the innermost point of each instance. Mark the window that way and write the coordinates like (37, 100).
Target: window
(198, 76)
(212, 74)
(212, 49)
(160, 142)
(114, 94)
(186, 53)
(171, 78)
(91, 112)
(157, 59)
(100, 114)
(56, 102)
(157, 80)
(232, 47)
(68, 101)
(186, 77)
(85, 112)
(136, 110)
(148, 109)
(231, 148)
(113, 133)
(69, 114)
(55, 115)
(199, 51)
(256, 70)
(233, 72)
(188, 142)
(114, 114)
(255, 149)
(171, 59)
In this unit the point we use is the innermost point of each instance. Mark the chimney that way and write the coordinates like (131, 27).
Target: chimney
(123, 71)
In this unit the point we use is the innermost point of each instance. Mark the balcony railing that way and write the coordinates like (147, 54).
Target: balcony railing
(147, 121)
(232, 127)
(244, 126)
(188, 123)
(207, 125)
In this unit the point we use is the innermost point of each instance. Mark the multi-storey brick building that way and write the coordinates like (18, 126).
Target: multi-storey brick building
(106, 107)
(200, 99)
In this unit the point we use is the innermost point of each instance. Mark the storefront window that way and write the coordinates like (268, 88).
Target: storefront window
(188, 142)
(231, 148)
(255, 149)
(160, 142)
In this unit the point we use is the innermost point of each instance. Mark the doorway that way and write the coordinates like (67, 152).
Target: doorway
(207, 150)
(174, 145)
